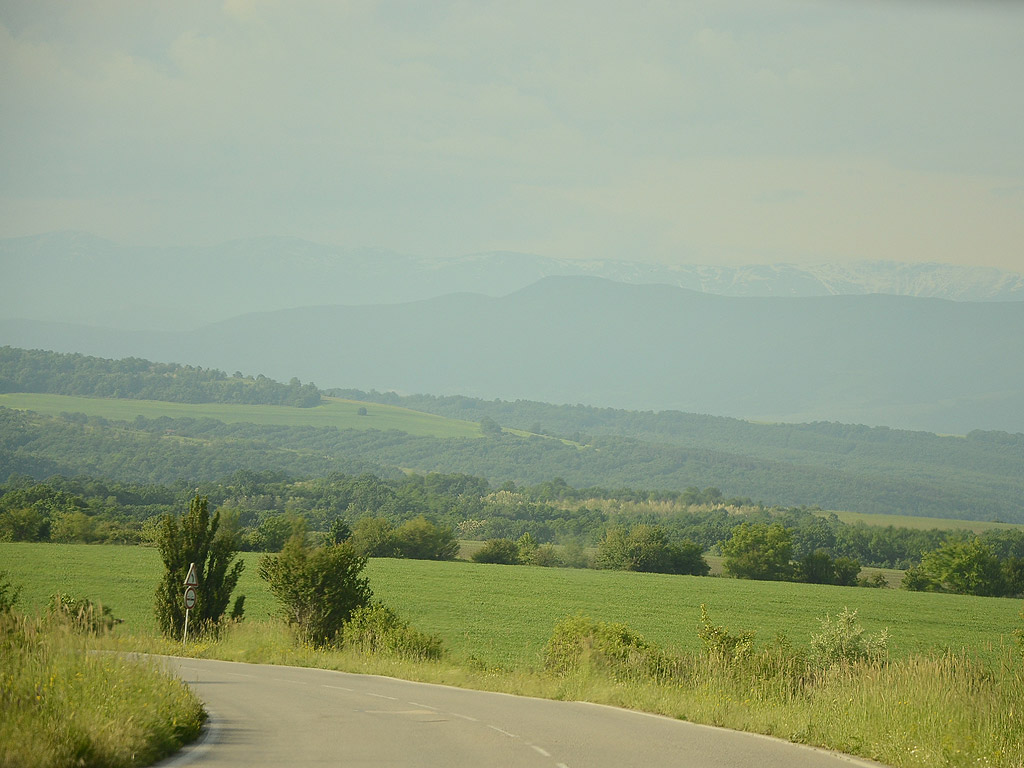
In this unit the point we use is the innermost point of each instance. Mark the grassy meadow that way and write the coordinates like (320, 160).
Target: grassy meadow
(334, 412)
(503, 615)
(922, 523)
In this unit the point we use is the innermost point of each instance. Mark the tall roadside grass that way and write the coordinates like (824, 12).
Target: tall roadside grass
(64, 706)
(842, 693)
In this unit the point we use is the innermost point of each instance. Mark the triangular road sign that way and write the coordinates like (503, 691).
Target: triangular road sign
(191, 580)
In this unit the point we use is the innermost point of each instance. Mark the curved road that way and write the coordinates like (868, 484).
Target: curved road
(289, 716)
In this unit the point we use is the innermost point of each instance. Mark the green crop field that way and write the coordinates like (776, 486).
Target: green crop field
(504, 614)
(921, 523)
(335, 412)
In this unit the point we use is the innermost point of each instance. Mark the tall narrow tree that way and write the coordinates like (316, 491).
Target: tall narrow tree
(196, 537)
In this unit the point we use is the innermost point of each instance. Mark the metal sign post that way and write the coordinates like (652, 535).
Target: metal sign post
(191, 582)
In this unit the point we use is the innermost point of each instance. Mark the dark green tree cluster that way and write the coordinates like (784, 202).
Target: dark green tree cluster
(647, 548)
(416, 539)
(765, 551)
(36, 370)
(969, 565)
(196, 537)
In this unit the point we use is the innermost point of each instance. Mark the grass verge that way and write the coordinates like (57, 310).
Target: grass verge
(63, 706)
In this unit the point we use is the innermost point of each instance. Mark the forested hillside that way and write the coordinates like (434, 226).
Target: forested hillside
(166, 450)
(36, 370)
(835, 466)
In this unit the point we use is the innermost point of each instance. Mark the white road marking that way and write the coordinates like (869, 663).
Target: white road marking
(336, 687)
(425, 706)
(381, 696)
(284, 680)
(465, 717)
(506, 733)
(540, 751)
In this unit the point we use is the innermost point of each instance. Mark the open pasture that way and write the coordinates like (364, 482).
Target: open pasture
(334, 412)
(922, 523)
(503, 615)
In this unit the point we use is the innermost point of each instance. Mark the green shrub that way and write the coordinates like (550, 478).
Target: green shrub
(9, 593)
(547, 556)
(82, 614)
(420, 539)
(647, 548)
(500, 551)
(580, 644)
(318, 588)
(719, 644)
(375, 629)
(843, 641)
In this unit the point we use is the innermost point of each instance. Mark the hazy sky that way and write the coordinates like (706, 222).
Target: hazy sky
(717, 132)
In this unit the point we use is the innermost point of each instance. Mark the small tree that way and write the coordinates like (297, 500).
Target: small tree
(420, 539)
(500, 551)
(759, 551)
(196, 538)
(964, 566)
(527, 549)
(374, 537)
(318, 589)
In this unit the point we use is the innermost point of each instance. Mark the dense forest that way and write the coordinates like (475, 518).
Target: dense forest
(136, 379)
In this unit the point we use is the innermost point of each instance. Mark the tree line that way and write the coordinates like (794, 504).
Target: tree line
(133, 378)
(426, 516)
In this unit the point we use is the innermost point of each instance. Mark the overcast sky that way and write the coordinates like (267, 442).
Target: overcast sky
(668, 132)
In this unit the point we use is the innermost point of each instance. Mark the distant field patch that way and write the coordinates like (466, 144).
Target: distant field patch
(920, 523)
(335, 412)
(505, 614)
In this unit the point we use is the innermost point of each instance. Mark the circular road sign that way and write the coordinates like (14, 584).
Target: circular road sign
(190, 597)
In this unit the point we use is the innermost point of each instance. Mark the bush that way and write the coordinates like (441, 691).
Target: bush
(719, 644)
(646, 548)
(9, 593)
(547, 556)
(819, 567)
(581, 644)
(501, 551)
(843, 641)
(318, 589)
(375, 629)
(420, 539)
(374, 537)
(82, 614)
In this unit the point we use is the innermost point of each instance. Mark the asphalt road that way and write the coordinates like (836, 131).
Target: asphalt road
(289, 716)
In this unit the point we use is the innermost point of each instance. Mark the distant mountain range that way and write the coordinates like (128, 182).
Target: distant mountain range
(901, 361)
(76, 278)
